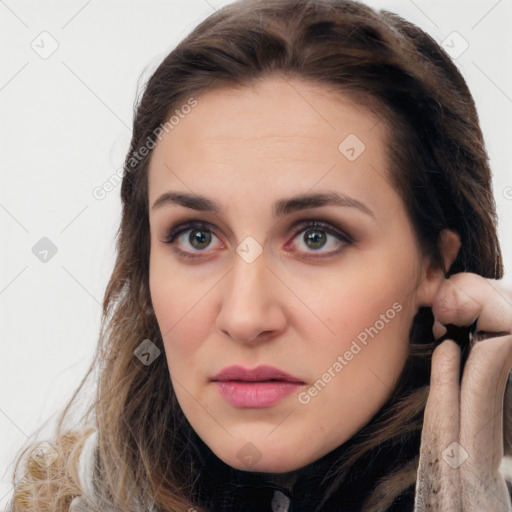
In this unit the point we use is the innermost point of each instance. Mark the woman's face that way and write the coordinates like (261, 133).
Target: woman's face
(247, 281)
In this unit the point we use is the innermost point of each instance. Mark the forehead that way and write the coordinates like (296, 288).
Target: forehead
(277, 131)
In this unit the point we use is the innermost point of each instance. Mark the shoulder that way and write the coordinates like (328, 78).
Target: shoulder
(55, 470)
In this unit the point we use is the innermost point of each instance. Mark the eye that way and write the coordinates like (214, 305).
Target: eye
(318, 235)
(189, 238)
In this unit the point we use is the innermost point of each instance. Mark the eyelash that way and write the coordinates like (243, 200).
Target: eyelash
(176, 231)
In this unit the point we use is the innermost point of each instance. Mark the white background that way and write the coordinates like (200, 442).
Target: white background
(65, 128)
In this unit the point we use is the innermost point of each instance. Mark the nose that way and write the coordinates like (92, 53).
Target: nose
(251, 309)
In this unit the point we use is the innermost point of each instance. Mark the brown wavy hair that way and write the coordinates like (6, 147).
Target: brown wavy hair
(437, 161)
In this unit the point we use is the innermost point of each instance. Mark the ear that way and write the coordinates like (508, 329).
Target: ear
(432, 274)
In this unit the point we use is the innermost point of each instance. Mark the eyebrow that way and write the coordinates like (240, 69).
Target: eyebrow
(280, 208)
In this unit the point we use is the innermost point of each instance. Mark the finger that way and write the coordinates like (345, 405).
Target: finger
(454, 303)
(438, 482)
(481, 425)
(496, 315)
(482, 397)
(465, 297)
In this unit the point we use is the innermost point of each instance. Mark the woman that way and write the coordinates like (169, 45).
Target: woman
(307, 208)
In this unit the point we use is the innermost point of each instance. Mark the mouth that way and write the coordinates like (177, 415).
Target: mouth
(261, 387)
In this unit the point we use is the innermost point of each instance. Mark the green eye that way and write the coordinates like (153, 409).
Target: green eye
(315, 239)
(199, 238)
(318, 235)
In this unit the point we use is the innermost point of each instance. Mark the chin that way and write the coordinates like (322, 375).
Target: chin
(266, 460)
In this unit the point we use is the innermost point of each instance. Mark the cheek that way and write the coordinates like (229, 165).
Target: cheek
(181, 309)
(368, 314)
(365, 298)
(371, 336)
(359, 364)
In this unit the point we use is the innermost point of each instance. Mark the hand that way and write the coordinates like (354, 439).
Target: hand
(462, 438)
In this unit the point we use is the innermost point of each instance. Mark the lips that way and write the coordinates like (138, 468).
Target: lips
(261, 373)
(261, 387)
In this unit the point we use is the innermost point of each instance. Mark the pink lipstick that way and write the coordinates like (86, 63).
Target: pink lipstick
(260, 387)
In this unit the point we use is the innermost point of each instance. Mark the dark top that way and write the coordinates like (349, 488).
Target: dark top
(224, 489)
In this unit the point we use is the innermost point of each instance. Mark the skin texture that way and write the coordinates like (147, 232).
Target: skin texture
(246, 148)
(462, 437)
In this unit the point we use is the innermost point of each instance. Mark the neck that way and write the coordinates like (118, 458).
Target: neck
(285, 480)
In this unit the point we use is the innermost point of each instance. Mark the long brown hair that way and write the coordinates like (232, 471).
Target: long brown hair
(437, 161)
